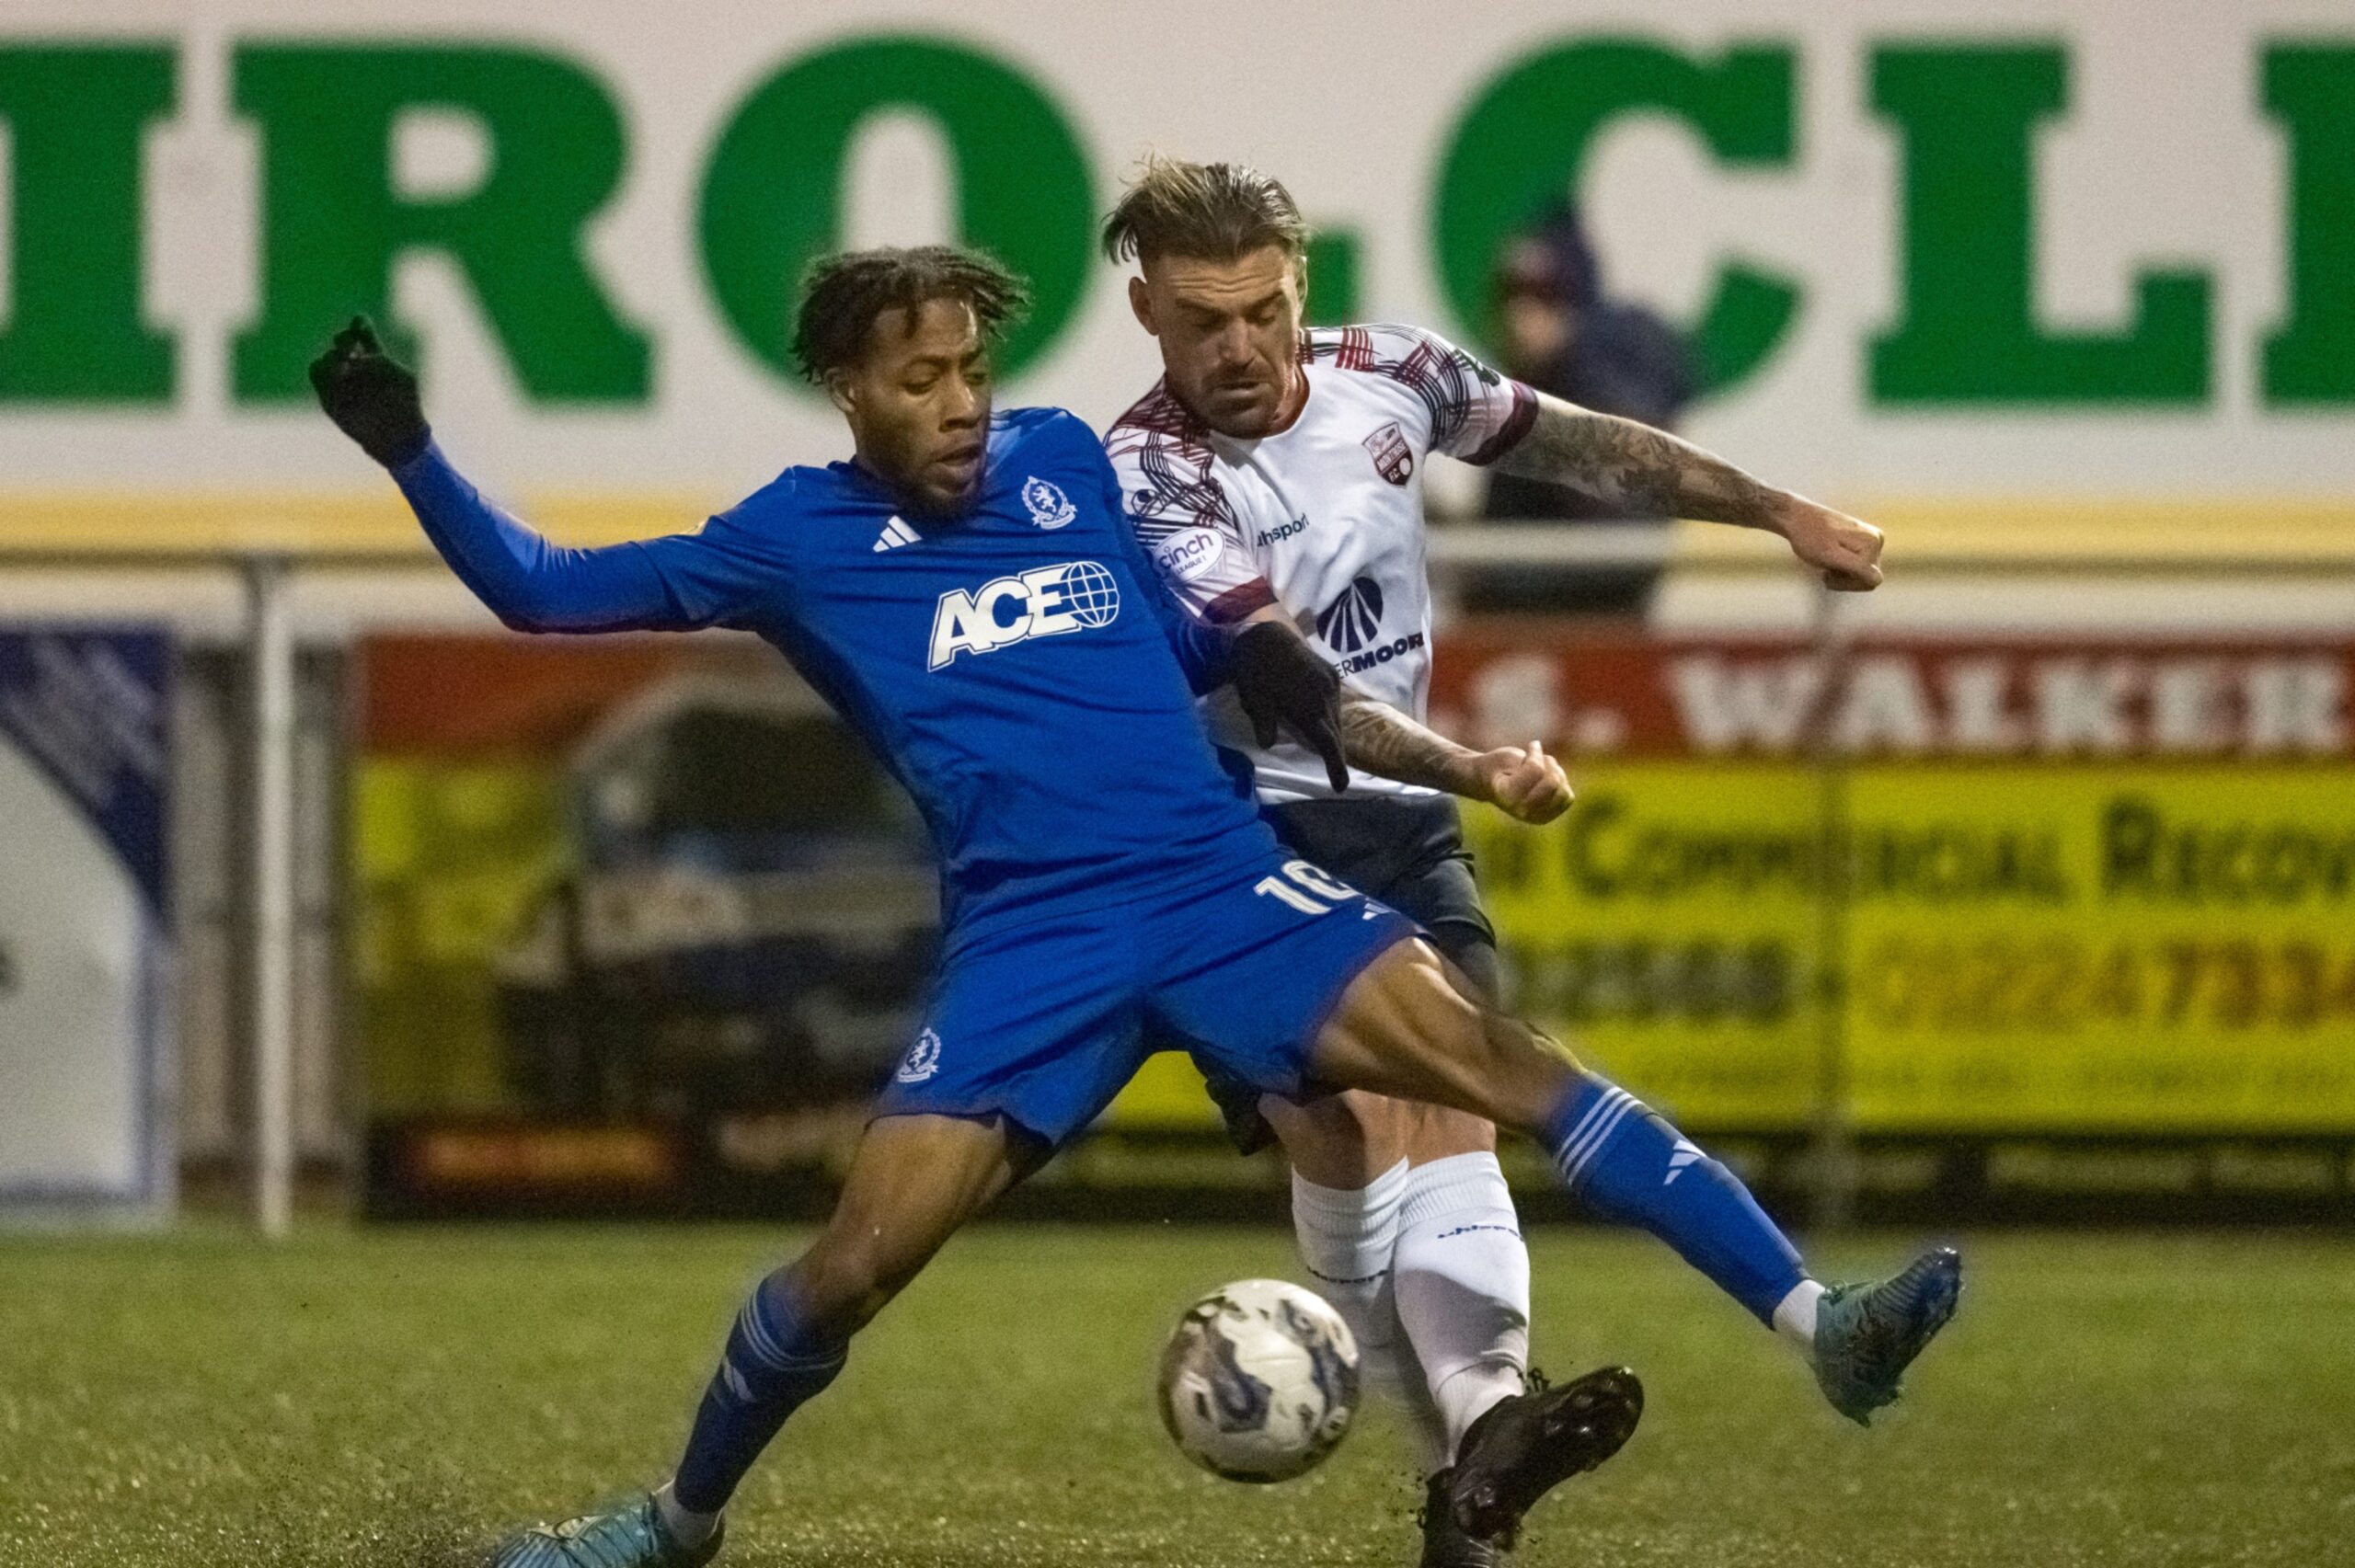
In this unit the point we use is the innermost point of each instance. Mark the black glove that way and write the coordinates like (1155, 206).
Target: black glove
(1281, 680)
(370, 396)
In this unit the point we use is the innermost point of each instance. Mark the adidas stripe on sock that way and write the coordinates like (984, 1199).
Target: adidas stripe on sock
(771, 1366)
(1625, 1163)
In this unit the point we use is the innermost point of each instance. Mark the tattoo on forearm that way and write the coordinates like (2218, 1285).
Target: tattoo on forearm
(1648, 472)
(1378, 739)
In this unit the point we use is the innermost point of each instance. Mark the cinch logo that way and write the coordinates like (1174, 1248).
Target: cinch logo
(1187, 555)
(1354, 620)
(1044, 603)
(1282, 530)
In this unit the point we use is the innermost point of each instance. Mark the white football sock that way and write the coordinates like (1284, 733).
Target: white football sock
(1462, 1282)
(687, 1527)
(1347, 1237)
(1795, 1316)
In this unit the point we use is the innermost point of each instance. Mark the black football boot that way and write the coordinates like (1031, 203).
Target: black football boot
(1526, 1446)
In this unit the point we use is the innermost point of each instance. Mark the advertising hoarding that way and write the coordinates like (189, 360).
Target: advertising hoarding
(84, 961)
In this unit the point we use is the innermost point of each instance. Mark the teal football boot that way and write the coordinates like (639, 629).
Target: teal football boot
(1866, 1335)
(629, 1536)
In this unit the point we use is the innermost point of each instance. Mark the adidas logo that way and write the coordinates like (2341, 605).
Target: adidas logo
(895, 534)
(1681, 1156)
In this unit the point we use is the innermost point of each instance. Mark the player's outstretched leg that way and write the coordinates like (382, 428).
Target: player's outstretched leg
(1622, 1160)
(913, 1182)
(1625, 1162)
(1407, 1027)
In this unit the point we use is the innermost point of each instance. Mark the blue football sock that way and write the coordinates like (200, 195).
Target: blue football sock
(771, 1367)
(1624, 1161)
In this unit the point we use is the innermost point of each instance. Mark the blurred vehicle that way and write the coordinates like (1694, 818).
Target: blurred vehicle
(749, 921)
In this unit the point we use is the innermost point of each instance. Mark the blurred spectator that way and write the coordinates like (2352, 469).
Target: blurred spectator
(1560, 335)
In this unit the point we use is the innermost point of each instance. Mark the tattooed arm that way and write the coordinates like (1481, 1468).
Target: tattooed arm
(1654, 473)
(1373, 736)
(1378, 739)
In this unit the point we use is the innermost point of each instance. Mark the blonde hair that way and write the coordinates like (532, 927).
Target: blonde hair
(1208, 212)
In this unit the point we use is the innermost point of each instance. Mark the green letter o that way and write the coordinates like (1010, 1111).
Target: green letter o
(771, 197)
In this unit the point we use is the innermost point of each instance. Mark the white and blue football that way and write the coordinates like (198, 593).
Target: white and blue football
(1260, 1382)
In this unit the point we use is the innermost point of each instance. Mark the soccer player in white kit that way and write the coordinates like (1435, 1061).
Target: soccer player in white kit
(1278, 473)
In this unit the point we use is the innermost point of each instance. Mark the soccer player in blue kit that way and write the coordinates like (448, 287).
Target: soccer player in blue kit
(967, 594)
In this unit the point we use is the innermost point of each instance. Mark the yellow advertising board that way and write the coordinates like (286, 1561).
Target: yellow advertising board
(2021, 948)
(1989, 888)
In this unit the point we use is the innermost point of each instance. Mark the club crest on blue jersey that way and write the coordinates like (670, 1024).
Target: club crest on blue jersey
(1050, 508)
(922, 1058)
(1045, 601)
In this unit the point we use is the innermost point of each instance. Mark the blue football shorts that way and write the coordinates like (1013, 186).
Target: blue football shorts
(1043, 1021)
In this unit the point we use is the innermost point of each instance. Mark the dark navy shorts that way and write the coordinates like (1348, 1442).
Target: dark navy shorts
(1044, 1022)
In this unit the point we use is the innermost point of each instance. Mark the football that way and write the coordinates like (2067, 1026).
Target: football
(1260, 1381)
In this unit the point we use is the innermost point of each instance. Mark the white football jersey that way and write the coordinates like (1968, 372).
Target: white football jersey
(1324, 518)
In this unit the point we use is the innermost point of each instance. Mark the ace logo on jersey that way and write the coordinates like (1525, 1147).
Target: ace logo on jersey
(1045, 601)
(1392, 458)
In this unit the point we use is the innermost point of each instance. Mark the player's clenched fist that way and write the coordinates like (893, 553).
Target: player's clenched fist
(370, 396)
(1847, 550)
(1525, 784)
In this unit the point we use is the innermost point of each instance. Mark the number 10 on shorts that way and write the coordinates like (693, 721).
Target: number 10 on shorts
(1310, 891)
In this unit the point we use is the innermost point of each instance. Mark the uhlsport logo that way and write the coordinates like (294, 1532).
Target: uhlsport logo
(1354, 620)
(1050, 508)
(922, 1058)
(1046, 601)
(1283, 531)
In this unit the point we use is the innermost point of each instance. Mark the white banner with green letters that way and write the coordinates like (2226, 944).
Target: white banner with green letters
(2059, 249)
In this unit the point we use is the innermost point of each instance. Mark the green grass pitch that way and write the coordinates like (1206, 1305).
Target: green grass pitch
(398, 1397)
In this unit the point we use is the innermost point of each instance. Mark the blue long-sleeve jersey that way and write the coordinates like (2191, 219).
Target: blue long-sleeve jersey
(1018, 668)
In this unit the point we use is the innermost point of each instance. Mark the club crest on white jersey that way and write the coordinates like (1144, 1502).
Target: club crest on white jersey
(1392, 458)
(1050, 508)
(1045, 601)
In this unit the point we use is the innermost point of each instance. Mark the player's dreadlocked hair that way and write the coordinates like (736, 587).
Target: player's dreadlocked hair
(842, 295)
(1209, 211)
